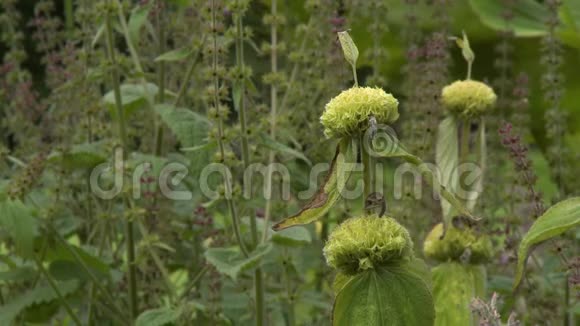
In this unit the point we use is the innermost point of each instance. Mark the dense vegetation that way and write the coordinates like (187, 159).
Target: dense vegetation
(308, 162)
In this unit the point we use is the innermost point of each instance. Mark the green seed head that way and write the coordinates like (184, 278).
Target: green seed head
(349, 112)
(367, 242)
(468, 98)
(457, 245)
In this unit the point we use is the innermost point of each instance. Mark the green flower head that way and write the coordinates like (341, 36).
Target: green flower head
(468, 98)
(349, 112)
(366, 242)
(457, 245)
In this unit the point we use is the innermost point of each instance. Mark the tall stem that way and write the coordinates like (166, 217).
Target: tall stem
(258, 279)
(220, 139)
(124, 143)
(161, 79)
(354, 76)
(273, 113)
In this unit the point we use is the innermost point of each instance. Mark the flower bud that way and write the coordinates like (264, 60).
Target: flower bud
(367, 242)
(457, 245)
(349, 112)
(468, 98)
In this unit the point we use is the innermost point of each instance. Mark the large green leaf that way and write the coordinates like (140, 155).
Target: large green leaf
(38, 295)
(331, 190)
(556, 220)
(296, 236)
(18, 221)
(386, 296)
(454, 286)
(158, 317)
(231, 262)
(175, 55)
(189, 127)
(60, 253)
(80, 156)
(396, 149)
(447, 159)
(528, 20)
(133, 97)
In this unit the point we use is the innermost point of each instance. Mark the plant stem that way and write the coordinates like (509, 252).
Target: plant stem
(368, 172)
(273, 115)
(123, 138)
(56, 290)
(469, 64)
(465, 133)
(258, 279)
(216, 102)
(354, 76)
(161, 80)
(193, 282)
(69, 15)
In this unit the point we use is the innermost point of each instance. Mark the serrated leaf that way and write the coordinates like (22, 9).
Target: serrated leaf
(384, 296)
(80, 156)
(19, 274)
(158, 317)
(137, 19)
(331, 189)
(175, 55)
(189, 127)
(396, 149)
(60, 253)
(133, 97)
(283, 148)
(348, 48)
(447, 159)
(455, 285)
(556, 220)
(231, 262)
(19, 222)
(293, 237)
(38, 295)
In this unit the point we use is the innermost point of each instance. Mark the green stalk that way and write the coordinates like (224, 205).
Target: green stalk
(465, 133)
(161, 82)
(123, 138)
(273, 115)
(56, 290)
(258, 279)
(69, 15)
(368, 172)
(227, 182)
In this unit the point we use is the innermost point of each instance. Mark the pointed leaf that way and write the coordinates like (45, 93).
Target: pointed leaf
(447, 159)
(138, 18)
(331, 190)
(385, 296)
(348, 47)
(293, 237)
(175, 55)
(528, 21)
(158, 317)
(231, 262)
(282, 148)
(556, 220)
(477, 187)
(17, 219)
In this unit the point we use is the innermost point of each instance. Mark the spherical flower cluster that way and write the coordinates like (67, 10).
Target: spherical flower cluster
(367, 242)
(457, 245)
(468, 98)
(349, 112)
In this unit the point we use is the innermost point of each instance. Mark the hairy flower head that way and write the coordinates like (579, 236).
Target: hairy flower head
(349, 112)
(366, 242)
(457, 245)
(468, 98)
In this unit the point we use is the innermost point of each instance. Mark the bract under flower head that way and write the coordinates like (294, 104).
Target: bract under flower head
(349, 112)
(457, 245)
(367, 242)
(468, 98)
